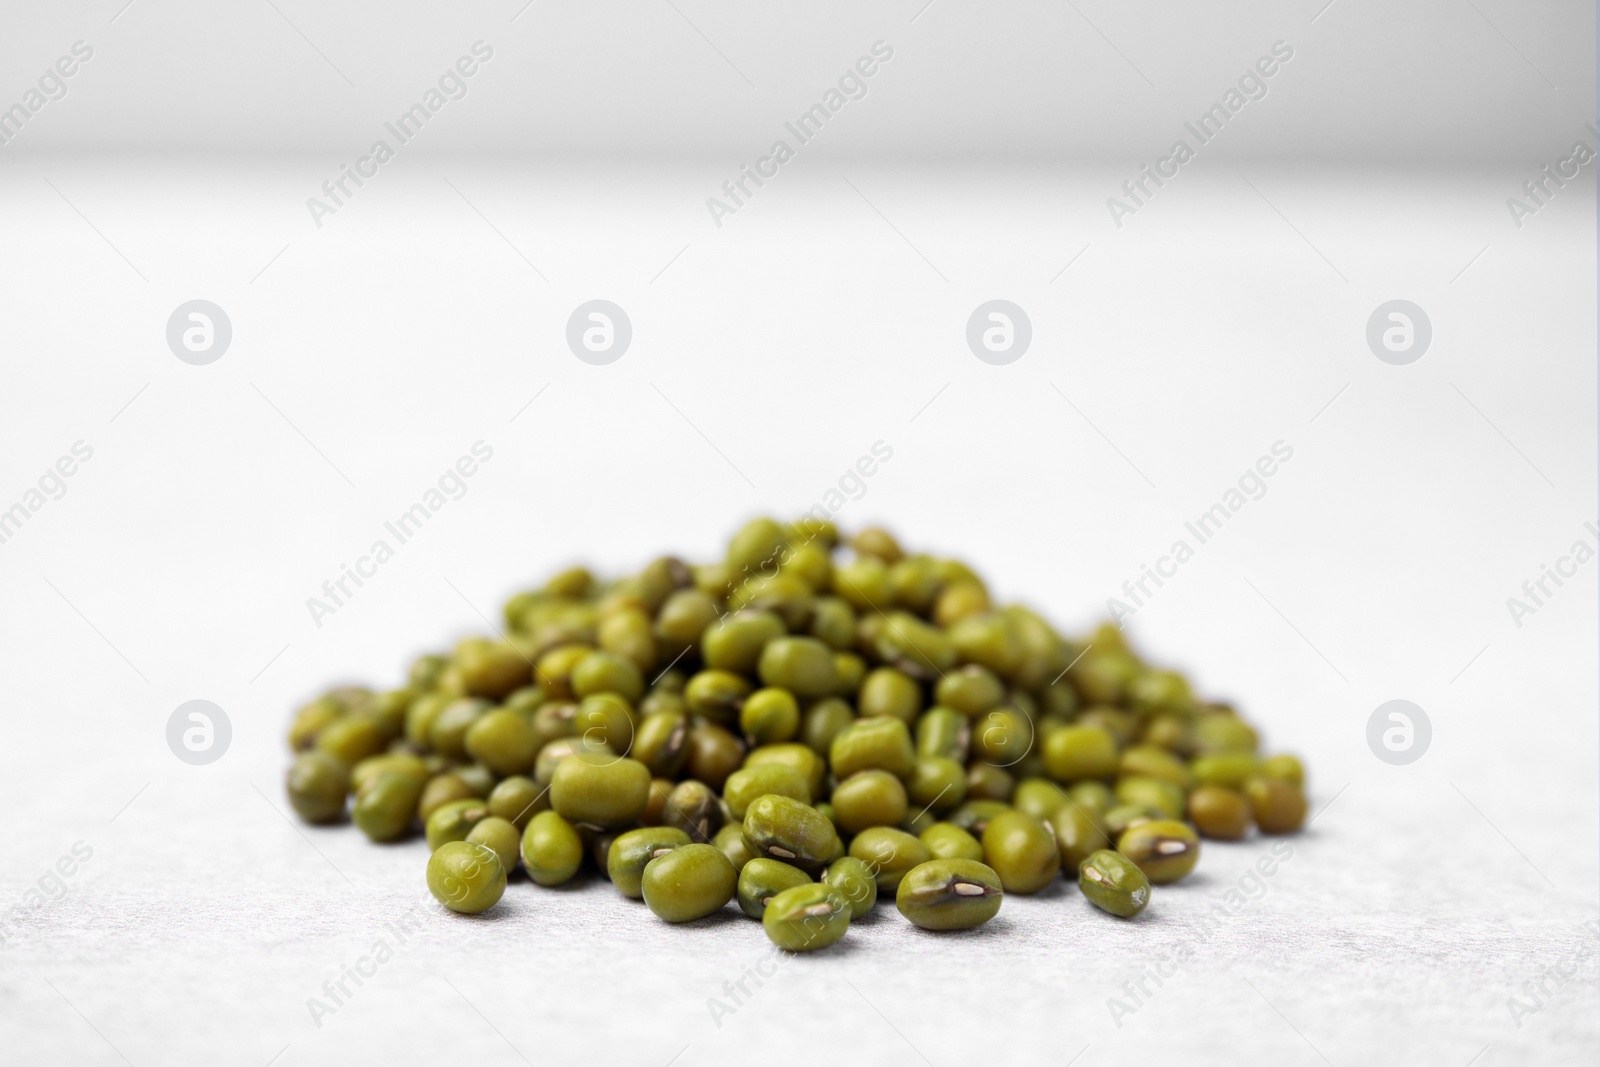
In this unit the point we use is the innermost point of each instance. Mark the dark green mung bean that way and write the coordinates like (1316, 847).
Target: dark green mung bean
(950, 894)
(1219, 812)
(762, 879)
(555, 752)
(655, 804)
(602, 672)
(888, 693)
(744, 786)
(1288, 768)
(317, 786)
(631, 852)
(687, 883)
(730, 841)
(937, 784)
(714, 753)
(1156, 793)
(1224, 732)
(603, 790)
(1078, 835)
(693, 807)
(1002, 736)
(1279, 805)
(477, 778)
(1022, 851)
(785, 829)
(834, 622)
(503, 741)
(944, 732)
(917, 648)
(607, 719)
(864, 583)
(889, 853)
(466, 877)
(849, 670)
(853, 880)
(1228, 769)
(1164, 849)
(552, 850)
(1039, 797)
(947, 841)
(802, 665)
(798, 756)
(985, 781)
(351, 738)
(454, 821)
(501, 837)
(770, 716)
(518, 799)
(872, 744)
(1093, 797)
(974, 815)
(386, 808)
(683, 618)
(735, 643)
(971, 690)
(1153, 761)
(1126, 816)
(448, 733)
(1079, 752)
(441, 790)
(489, 668)
(869, 798)
(396, 762)
(661, 743)
(717, 695)
(806, 917)
(823, 721)
(1114, 883)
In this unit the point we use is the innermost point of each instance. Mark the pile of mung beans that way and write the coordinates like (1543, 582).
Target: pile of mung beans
(798, 727)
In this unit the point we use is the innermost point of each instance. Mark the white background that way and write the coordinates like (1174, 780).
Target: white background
(768, 355)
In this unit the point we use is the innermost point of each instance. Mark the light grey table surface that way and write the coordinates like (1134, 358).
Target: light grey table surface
(767, 357)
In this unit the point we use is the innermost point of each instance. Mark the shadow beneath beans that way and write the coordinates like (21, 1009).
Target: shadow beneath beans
(1056, 890)
(876, 914)
(843, 947)
(1149, 916)
(576, 884)
(723, 916)
(999, 926)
